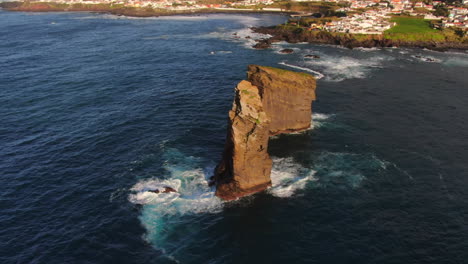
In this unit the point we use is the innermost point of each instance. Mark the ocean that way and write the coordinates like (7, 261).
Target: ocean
(97, 109)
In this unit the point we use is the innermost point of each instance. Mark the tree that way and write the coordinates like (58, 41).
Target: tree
(441, 10)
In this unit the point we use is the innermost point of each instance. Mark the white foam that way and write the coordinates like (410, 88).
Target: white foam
(193, 193)
(163, 214)
(278, 50)
(426, 58)
(279, 43)
(287, 177)
(340, 68)
(144, 195)
(457, 62)
(318, 119)
(320, 116)
(245, 36)
(367, 49)
(317, 74)
(248, 37)
(220, 52)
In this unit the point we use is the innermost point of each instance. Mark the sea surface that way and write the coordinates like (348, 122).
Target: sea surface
(95, 110)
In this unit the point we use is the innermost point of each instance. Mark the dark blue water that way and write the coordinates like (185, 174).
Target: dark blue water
(96, 109)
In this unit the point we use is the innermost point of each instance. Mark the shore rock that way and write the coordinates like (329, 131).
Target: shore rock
(271, 102)
(287, 51)
(166, 189)
(262, 44)
(279, 33)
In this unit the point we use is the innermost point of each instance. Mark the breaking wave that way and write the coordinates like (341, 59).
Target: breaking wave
(319, 119)
(287, 177)
(165, 214)
(194, 207)
(338, 69)
(188, 179)
(367, 49)
(317, 74)
(425, 58)
(193, 195)
(245, 36)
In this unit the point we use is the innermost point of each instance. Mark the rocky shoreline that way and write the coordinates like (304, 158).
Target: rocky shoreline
(130, 12)
(279, 33)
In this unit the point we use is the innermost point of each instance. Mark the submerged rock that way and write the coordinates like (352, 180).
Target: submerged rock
(287, 51)
(166, 189)
(312, 56)
(271, 102)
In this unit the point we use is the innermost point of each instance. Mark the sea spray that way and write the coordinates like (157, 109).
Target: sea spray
(340, 68)
(287, 177)
(194, 205)
(317, 74)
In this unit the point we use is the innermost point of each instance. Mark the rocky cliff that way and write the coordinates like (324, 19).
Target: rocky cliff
(296, 35)
(271, 102)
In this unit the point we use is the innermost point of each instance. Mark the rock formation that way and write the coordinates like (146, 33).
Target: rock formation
(271, 102)
(296, 35)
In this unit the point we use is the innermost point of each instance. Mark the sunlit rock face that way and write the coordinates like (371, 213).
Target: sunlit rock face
(271, 102)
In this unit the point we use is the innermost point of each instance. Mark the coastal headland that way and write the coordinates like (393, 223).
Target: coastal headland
(438, 41)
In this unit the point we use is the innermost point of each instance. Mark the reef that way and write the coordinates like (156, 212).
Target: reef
(272, 101)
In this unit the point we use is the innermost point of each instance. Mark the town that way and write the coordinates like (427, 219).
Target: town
(356, 16)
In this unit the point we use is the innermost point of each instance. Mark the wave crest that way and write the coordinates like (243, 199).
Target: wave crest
(287, 177)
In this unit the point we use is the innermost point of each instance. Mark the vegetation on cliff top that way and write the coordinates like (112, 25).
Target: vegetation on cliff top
(280, 71)
(414, 29)
(407, 30)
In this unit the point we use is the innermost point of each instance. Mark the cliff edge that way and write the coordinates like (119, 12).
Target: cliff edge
(272, 101)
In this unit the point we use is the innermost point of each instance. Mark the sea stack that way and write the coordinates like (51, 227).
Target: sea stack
(272, 101)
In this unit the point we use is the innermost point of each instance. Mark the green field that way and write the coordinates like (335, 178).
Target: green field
(410, 25)
(413, 29)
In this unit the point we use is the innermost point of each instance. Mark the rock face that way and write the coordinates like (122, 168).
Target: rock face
(279, 33)
(271, 102)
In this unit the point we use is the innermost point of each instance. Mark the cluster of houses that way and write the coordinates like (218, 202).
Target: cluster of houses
(458, 17)
(169, 4)
(375, 21)
(369, 22)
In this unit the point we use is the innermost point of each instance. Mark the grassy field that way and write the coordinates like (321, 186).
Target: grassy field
(413, 29)
(410, 25)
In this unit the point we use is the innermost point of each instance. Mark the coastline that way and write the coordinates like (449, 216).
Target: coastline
(297, 35)
(277, 33)
(125, 11)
